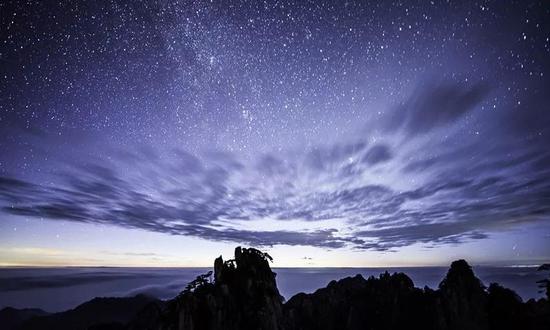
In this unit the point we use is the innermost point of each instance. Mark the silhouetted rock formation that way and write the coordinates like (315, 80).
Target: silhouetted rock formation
(462, 299)
(544, 284)
(505, 309)
(12, 318)
(148, 318)
(392, 302)
(387, 302)
(98, 311)
(242, 294)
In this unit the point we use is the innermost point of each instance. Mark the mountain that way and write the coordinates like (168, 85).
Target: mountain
(386, 302)
(242, 294)
(98, 311)
(12, 318)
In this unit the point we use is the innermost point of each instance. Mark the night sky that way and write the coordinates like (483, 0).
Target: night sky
(329, 133)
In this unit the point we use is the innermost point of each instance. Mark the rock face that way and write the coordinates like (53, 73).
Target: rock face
(387, 302)
(462, 299)
(392, 302)
(244, 295)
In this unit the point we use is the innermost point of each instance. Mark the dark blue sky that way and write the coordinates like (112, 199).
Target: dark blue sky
(348, 130)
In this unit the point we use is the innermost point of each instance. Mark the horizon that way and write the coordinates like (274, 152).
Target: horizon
(25, 287)
(51, 258)
(277, 267)
(329, 134)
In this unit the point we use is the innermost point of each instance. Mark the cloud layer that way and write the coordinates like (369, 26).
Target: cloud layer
(430, 178)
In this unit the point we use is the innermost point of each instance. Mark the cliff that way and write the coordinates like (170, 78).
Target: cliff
(242, 295)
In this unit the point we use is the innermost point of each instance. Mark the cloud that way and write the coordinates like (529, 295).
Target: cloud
(434, 105)
(45, 281)
(449, 210)
(162, 284)
(323, 158)
(161, 291)
(444, 189)
(377, 154)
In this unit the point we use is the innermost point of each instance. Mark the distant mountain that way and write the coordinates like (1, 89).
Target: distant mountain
(12, 318)
(241, 294)
(98, 311)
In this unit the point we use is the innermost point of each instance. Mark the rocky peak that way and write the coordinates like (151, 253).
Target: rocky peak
(243, 296)
(249, 269)
(463, 298)
(461, 277)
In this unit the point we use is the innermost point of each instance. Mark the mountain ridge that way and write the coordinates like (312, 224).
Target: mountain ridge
(242, 293)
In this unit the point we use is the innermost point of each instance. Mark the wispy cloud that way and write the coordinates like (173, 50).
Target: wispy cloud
(400, 190)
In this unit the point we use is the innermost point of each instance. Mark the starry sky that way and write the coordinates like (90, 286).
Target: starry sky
(329, 133)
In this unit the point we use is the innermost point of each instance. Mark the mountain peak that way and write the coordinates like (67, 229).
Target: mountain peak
(244, 295)
(461, 276)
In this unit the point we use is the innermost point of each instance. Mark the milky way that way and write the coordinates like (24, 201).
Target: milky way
(358, 125)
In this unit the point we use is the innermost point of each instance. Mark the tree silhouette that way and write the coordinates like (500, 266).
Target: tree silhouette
(198, 282)
(262, 255)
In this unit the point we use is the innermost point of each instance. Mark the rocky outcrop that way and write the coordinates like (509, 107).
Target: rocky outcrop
(392, 302)
(242, 295)
(386, 302)
(462, 299)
